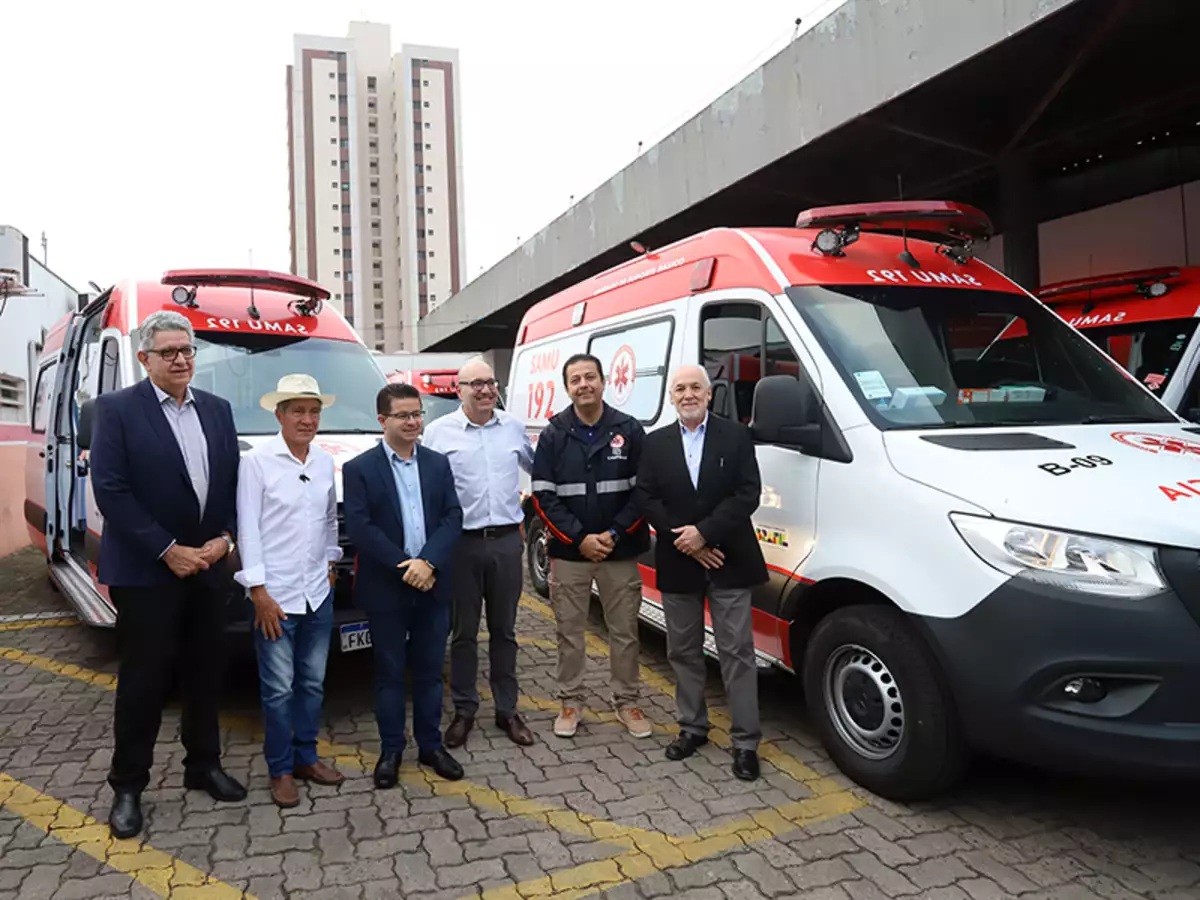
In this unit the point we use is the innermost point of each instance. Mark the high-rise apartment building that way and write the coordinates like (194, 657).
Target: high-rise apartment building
(375, 169)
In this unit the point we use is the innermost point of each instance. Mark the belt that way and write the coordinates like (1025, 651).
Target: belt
(491, 531)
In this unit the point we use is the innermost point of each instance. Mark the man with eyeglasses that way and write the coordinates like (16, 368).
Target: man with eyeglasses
(164, 463)
(404, 519)
(287, 523)
(487, 449)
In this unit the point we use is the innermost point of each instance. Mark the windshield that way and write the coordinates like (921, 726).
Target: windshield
(241, 368)
(438, 405)
(1150, 351)
(925, 357)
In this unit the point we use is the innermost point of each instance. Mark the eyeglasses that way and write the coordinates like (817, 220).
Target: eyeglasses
(169, 354)
(405, 416)
(482, 384)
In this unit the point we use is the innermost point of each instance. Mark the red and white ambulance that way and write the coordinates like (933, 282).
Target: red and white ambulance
(1144, 320)
(438, 387)
(972, 542)
(252, 327)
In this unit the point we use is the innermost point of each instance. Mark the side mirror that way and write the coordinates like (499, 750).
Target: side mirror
(83, 430)
(784, 413)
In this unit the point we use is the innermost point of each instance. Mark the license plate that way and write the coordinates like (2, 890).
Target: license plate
(355, 636)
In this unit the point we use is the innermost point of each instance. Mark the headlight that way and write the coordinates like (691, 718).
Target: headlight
(1061, 559)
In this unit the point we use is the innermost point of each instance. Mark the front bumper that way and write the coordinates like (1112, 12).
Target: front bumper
(1009, 662)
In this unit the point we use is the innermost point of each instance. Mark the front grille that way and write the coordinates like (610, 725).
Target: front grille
(344, 585)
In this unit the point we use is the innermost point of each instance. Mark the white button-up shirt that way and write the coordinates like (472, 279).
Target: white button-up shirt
(486, 461)
(287, 525)
(693, 448)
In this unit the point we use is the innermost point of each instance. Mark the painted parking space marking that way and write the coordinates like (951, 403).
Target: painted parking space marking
(638, 852)
(158, 872)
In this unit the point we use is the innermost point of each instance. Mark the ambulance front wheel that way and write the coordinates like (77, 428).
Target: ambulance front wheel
(880, 708)
(537, 555)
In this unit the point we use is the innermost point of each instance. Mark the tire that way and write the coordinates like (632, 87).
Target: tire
(879, 704)
(537, 559)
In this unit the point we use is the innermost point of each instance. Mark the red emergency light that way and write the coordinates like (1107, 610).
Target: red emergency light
(941, 218)
(1148, 283)
(189, 280)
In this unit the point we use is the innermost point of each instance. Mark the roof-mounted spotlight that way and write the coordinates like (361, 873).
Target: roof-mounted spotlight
(184, 296)
(961, 253)
(1153, 289)
(305, 306)
(834, 241)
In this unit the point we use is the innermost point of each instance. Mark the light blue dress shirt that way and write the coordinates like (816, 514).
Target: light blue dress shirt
(486, 461)
(412, 511)
(184, 422)
(693, 448)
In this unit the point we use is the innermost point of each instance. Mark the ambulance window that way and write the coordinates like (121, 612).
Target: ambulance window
(110, 367)
(41, 398)
(736, 339)
(635, 365)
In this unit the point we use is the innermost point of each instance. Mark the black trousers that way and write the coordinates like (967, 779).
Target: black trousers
(162, 631)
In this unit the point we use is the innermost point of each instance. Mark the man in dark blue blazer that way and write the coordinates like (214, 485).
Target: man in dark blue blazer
(164, 462)
(404, 519)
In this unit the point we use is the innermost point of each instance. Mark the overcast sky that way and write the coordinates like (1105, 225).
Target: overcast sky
(146, 137)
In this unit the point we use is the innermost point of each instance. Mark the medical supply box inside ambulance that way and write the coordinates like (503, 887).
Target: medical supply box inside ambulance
(252, 327)
(973, 543)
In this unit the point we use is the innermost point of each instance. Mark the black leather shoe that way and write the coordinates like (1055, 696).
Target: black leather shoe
(460, 727)
(443, 763)
(516, 729)
(387, 771)
(745, 765)
(125, 820)
(216, 782)
(685, 745)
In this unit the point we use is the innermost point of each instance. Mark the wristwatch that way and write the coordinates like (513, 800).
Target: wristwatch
(232, 545)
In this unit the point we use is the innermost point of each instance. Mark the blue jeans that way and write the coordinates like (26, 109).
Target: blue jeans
(291, 675)
(412, 630)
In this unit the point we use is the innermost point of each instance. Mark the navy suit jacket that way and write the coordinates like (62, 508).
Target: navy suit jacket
(142, 487)
(376, 528)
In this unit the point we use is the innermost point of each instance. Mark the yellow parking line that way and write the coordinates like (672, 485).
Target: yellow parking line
(100, 679)
(158, 872)
(38, 623)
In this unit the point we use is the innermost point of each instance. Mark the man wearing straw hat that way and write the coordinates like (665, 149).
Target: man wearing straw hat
(287, 525)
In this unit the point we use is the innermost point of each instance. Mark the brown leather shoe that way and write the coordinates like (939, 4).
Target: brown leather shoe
(319, 773)
(516, 729)
(284, 793)
(460, 727)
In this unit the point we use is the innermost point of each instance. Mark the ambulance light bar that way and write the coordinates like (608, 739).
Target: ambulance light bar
(1148, 283)
(309, 294)
(954, 225)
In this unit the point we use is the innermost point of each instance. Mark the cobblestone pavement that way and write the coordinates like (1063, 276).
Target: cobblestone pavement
(602, 815)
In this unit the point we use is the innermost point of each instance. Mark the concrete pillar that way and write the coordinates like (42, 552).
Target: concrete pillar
(1018, 203)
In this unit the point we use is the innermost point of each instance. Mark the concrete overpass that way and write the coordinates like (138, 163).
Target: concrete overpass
(1030, 109)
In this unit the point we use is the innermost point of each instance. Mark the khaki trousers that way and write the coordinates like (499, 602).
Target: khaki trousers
(620, 587)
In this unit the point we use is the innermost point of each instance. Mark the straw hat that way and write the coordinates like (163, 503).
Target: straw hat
(295, 387)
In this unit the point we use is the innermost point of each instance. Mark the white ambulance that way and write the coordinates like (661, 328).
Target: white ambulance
(252, 327)
(973, 543)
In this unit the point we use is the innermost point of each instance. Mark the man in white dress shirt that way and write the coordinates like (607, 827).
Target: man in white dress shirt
(487, 449)
(287, 523)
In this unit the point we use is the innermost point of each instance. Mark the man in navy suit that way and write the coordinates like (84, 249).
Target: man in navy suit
(403, 517)
(164, 462)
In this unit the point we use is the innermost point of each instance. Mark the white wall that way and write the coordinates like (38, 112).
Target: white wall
(24, 318)
(1158, 229)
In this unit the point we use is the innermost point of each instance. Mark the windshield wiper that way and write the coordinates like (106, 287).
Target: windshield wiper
(1116, 419)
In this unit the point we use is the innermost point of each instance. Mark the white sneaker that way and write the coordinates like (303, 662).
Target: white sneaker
(635, 720)
(567, 722)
